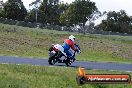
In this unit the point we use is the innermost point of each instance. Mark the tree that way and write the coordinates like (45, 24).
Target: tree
(14, 9)
(1, 13)
(51, 10)
(78, 12)
(117, 22)
(1, 9)
(48, 12)
(31, 17)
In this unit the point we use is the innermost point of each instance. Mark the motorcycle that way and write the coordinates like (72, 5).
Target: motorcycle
(56, 54)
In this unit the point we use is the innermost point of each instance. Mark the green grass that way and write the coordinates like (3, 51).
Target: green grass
(27, 76)
(29, 42)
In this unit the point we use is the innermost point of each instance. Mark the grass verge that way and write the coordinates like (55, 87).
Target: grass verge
(27, 76)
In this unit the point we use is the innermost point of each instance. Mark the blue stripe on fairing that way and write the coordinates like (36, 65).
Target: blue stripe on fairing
(66, 46)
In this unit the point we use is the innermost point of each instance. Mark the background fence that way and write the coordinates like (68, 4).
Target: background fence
(59, 28)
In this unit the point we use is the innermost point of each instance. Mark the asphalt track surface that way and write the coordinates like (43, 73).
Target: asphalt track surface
(86, 65)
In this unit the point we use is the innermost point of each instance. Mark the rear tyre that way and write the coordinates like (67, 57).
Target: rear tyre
(52, 60)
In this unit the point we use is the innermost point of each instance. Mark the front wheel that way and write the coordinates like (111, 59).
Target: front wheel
(68, 62)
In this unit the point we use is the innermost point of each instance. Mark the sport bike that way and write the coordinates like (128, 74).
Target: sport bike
(57, 54)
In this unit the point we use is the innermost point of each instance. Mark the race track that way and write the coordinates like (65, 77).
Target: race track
(86, 65)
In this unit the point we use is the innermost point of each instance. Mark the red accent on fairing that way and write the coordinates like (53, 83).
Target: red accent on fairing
(55, 49)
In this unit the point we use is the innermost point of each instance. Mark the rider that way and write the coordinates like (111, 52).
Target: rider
(69, 43)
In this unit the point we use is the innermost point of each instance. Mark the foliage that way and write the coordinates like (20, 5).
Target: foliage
(117, 22)
(78, 12)
(14, 9)
(1, 13)
(31, 17)
(54, 12)
(48, 12)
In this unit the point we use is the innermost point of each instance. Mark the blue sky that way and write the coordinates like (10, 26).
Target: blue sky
(103, 5)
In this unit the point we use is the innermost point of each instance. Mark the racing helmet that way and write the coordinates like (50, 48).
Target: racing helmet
(71, 37)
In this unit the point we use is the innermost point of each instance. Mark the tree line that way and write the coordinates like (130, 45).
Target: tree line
(64, 14)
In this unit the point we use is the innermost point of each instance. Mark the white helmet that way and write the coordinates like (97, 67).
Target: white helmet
(71, 37)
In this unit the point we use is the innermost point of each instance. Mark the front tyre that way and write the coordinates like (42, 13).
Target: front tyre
(68, 62)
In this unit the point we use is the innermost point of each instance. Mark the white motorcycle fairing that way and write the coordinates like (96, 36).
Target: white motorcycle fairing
(60, 48)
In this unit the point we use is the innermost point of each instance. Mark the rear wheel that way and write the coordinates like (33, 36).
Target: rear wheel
(52, 60)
